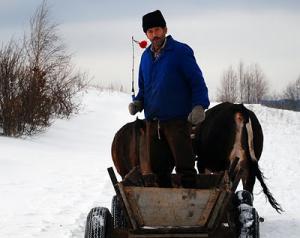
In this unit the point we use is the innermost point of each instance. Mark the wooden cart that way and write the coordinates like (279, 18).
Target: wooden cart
(205, 211)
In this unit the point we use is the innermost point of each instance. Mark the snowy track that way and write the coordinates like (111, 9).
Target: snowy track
(49, 183)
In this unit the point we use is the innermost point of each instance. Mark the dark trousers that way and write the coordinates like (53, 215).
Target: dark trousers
(168, 144)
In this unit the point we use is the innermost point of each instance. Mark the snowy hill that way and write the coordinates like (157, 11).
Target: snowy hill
(49, 183)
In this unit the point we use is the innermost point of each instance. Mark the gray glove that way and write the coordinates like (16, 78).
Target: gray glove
(134, 107)
(197, 115)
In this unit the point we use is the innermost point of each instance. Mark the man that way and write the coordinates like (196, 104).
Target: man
(171, 90)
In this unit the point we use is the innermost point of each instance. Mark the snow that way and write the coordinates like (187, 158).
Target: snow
(49, 183)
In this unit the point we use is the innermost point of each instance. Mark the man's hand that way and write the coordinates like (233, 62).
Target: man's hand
(197, 115)
(134, 107)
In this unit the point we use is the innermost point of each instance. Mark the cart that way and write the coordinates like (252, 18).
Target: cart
(212, 209)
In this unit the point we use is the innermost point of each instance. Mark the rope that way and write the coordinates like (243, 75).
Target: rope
(158, 129)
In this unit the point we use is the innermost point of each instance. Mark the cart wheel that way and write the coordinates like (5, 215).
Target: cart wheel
(98, 223)
(248, 222)
(243, 196)
(119, 220)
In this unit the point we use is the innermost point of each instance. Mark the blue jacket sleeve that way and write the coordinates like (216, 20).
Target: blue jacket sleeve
(194, 77)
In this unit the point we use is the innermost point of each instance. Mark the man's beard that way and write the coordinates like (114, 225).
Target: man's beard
(158, 42)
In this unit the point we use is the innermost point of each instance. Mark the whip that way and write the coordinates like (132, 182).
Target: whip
(142, 44)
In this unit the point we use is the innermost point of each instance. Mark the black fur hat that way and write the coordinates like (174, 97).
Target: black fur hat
(153, 19)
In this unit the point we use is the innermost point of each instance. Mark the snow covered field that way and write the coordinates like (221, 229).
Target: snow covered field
(49, 183)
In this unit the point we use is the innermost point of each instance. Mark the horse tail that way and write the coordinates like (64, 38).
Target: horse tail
(254, 168)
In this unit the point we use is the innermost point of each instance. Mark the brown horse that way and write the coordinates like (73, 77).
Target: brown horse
(229, 131)
(128, 147)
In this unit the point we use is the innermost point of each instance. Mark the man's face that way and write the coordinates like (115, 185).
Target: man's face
(156, 35)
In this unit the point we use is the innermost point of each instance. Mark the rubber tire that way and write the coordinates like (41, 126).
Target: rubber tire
(98, 223)
(118, 216)
(243, 196)
(246, 228)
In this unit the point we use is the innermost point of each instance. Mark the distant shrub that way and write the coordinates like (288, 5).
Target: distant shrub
(289, 99)
(287, 104)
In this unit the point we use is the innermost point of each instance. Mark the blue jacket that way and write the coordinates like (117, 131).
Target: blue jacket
(171, 85)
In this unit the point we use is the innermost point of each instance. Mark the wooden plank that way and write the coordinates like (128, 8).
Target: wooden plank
(112, 176)
(167, 235)
(223, 209)
(225, 183)
(127, 206)
(134, 206)
(222, 232)
(115, 183)
(171, 230)
(208, 181)
(204, 181)
(163, 207)
(237, 179)
(215, 211)
(209, 206)
(117, 233)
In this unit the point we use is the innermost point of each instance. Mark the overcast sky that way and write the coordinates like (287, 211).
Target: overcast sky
(221, 33)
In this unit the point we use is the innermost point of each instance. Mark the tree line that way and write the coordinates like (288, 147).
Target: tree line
(248, 84)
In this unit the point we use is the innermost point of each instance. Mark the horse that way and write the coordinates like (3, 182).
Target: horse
(230, 135)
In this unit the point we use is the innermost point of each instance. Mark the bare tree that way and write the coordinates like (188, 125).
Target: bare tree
(39, 82)
(228, 91)
(292, 91)
(260, 84)
(51, 65)
(11, 72)
(242, 81)
(247, 85)
(253, 86)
